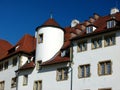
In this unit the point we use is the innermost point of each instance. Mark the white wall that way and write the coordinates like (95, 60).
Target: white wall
(48, 77)
(92, 57)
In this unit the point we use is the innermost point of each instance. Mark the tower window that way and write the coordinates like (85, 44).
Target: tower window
(40, 38)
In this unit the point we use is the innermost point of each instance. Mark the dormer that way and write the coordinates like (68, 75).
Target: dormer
(111, 23)
(90, 29)
(65, 53)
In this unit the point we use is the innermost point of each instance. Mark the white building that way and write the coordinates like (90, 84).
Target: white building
(84, 56)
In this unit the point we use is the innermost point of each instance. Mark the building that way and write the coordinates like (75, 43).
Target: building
(83, 56)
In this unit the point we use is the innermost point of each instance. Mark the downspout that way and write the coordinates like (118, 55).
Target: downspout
(71, 71)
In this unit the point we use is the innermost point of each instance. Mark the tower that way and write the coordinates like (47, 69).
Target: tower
(50, 38)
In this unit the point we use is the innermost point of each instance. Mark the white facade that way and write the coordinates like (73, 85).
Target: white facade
(53, 39)
(93, 57)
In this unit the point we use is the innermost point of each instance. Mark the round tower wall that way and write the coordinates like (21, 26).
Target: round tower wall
(53, 39)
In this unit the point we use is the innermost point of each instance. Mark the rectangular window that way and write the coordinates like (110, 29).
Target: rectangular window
(13, 82)
(84, 71)
(6, 65)
(82, 46)
(111, 24)
(38, 65)
(104, 68)
(40, 38)
(62, 74)
(105, 89)
(1, 66)
(65, 53)
(14, 61)
(96, 43)
(2, 84)
(37, 85)
(25, 79)
(109, 40)
(89, 29)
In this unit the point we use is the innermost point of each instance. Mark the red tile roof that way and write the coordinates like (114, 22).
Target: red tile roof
(101, 25)
(26, 44)
(4, 47)
(28, 66)
(51, 22)
(56, 60)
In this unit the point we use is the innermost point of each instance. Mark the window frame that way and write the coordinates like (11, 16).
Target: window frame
(96, 41)
(111, 38)
(14, 61)
(1, 66)
(38, 66)
(82, 46)
(105, 68)
(84, 72)
(13, 82)
(61, 71)
(6, 64)
(25, 80)
(105, 89)
(2, 83)
(111, 23)
(40, 38)
(39, 83)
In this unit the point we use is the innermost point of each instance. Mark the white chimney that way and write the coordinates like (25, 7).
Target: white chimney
(114, 10)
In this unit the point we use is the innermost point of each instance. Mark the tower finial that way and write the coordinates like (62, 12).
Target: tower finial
(51, 15)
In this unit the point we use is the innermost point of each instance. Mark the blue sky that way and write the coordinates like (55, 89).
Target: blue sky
(19, 17)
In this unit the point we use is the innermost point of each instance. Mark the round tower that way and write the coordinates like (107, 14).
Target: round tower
(50, 38)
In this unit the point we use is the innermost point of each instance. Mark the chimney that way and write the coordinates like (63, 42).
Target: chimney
(96, 16)
(92, 20)
(114, 11)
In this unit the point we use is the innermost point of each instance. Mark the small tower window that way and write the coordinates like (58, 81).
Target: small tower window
(111, 24)
(40, 38)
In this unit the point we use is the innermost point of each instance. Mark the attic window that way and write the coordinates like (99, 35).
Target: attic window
(111, 23)
(65, 53)
(90, 29)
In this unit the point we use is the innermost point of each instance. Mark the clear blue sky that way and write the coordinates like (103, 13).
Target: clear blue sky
(19, 17)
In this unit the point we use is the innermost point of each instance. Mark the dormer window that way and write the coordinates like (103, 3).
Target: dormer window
(65, 53)
(90, 29)
(111, 23)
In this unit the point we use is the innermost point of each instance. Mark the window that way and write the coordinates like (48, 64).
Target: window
(37, 85)
(84, 71)
(38, 65)
(82, 46)
(2, 84)
(25, 79)
(40, 38)
(104, 68)
(62, 74)
(13, 82)
(1, 66)
(6, 65)
(111, 23)
(105, 89)
(109, 40)
(65, 53)
(14, 61)
(96, 43)
(90, 29)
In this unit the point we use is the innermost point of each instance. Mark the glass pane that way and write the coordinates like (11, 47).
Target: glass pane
(102, 68)
(87, 70)
(108, 67)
